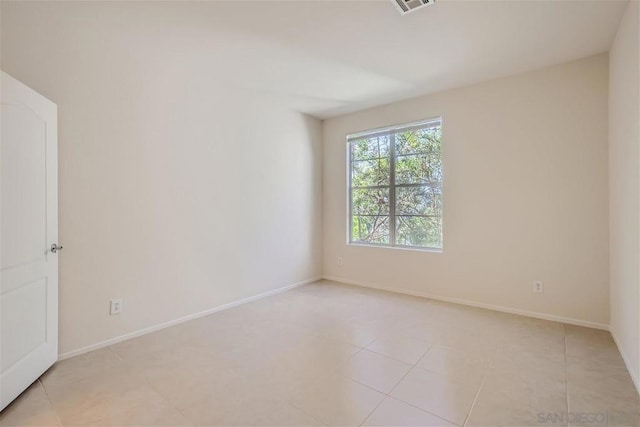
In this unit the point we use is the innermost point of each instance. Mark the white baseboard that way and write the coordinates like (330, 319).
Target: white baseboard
(503, 309)
(164, 325)
(633, 372)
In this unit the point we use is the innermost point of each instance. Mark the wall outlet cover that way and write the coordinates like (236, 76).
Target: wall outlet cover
(538, 287)
(116, 306)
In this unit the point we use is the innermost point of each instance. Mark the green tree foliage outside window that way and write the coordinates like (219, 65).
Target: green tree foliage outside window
(396, 186)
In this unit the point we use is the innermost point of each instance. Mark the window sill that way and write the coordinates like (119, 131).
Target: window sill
(402, 248)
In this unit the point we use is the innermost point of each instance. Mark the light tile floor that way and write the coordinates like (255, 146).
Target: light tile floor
(329, 354)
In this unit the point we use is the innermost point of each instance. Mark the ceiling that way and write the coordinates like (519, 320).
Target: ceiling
(326, 58)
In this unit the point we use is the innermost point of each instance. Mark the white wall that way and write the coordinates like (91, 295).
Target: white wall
(525, 195)
(178, 192)
(624, 187)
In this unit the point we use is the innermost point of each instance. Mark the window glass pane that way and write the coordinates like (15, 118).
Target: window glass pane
(420, 200)
(370, 172)
(370, 229)
(370, 148)
(418, 169)
(419, 231)
(370, 202)
(370, 215)
(425, 141)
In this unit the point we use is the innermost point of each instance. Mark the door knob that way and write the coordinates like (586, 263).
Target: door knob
(55, 248)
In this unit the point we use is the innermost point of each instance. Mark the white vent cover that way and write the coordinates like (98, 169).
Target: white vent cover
(406, 6)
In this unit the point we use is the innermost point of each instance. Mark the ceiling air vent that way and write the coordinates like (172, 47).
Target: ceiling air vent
(406, 6)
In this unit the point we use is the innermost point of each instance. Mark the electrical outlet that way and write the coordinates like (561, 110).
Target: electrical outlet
(340, 261)
(116, 306)
(538, 287)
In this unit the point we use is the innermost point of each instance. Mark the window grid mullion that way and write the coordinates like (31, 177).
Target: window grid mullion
(350, 178)
(392, 189)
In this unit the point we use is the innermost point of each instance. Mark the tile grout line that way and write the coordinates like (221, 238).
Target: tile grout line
(373, 410)
(360, 349)
(411, 404)
(484, 378)
(408, 372)
(288, 403)
(475, 399)
(393, 358)
(422, 410)
(146, 381)
(405, 375)
(388, 395)
(566, 374)
(55, 411)
(115, 353)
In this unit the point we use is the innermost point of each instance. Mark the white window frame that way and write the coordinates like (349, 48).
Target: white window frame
(391, 130)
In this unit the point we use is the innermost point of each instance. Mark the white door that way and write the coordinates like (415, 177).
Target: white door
(29, 227)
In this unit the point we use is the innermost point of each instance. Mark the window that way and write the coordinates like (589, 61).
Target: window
(395, 186)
